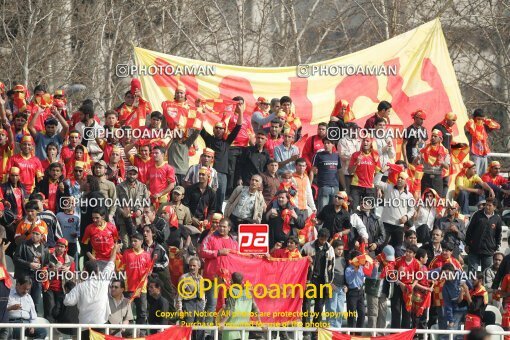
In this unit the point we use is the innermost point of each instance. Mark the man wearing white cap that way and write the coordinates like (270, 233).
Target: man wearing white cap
(261, 116)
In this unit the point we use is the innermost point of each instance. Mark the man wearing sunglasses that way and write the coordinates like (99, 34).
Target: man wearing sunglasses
(120, 308)
(221, 146)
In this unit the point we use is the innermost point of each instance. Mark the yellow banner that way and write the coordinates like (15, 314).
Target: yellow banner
(412, 71)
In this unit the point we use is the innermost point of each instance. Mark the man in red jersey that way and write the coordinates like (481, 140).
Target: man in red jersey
(364, 165)
(100, 236)
(436, 308)
(498, 183)
(314, 144)
(67, 152)
(142, 160)
(161, 176)
(29, 165)
(53, 298)
(217, 244)
(275, 137)
(134, 110)
(407, 267)
(136, 262)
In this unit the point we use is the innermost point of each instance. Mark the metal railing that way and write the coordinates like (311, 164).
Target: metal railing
(215, 331)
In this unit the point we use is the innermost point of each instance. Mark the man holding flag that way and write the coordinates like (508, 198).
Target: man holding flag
(221, 147)
(137, 263)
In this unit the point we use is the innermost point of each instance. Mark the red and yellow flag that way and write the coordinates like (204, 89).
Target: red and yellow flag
(171, 333)
(325, 334)
(143, 281)
(412, 70)
(217, 110)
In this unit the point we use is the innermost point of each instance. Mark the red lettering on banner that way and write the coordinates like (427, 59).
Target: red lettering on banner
(232, 86)
(350, 88)
(165, 80)
(299, 95)
(434, 102)
(353, 87)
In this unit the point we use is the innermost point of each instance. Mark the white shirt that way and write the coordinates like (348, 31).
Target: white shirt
(346, 148)
(426, 215)
(91, 296)
(386, 154)
(392, 213)
(95, 152)
(27, 310)
(357, 223)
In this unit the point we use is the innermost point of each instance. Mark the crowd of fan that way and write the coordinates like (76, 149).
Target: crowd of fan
(58, 180)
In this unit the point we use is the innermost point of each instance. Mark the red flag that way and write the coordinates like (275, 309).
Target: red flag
(308, 233)
(143, 281)
(135, 85)
(175, 265)
(286, 217)
(171, 333)
(301, 143)
(218, 110)
(325, 334)
(393, 172)
(175, 114)
(273, 274)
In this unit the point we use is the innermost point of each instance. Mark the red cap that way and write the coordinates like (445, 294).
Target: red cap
(262, 100)
(468, 165)
(419, 114)
(135, 85)
(63, 241)
(37, 229)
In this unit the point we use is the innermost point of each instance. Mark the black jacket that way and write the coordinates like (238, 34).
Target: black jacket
(483, 236)
(335, 221)
(276, 233)
(253, 163)
(221, 147)
(375, 230)
(44, 187)
(7, 191)
(199, 202)
(86, 209)
(444, 223)
(24, 256)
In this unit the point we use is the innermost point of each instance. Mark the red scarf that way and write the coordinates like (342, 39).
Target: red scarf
(434, 155)
(480, 291)
(445, 125)
(286, 217)
(308, 233)
(4, 275)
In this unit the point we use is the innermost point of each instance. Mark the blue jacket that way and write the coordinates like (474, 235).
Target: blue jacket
(451, 293)
(355, 278)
